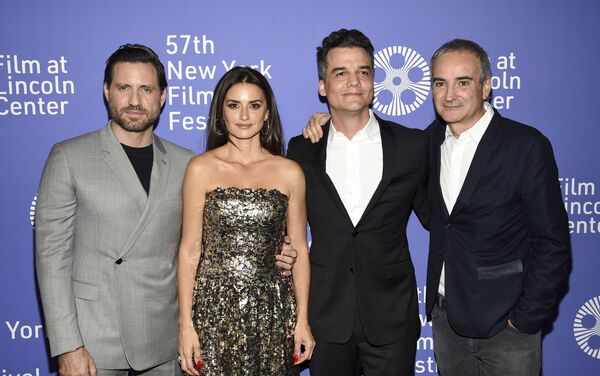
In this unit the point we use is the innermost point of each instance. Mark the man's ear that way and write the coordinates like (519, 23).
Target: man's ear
(322, 91)
(106, 92)
(487, 88)
(163, 97)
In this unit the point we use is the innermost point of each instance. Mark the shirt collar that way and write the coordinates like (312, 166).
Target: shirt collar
(475, 133)
(370, 130)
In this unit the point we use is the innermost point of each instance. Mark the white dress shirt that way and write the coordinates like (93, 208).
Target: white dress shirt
(355, 166)
(456, 157)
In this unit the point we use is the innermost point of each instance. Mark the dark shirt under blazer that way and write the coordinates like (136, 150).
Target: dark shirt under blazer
(106, 251)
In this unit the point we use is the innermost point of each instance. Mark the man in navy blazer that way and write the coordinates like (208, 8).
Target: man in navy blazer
(499, 255)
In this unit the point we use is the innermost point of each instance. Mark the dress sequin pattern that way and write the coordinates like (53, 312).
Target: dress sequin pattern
(243, 310)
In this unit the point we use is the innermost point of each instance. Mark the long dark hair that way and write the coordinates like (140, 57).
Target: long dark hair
(271, 138)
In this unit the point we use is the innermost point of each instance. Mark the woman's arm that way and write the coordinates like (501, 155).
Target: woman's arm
(296, 228)
(194, 189)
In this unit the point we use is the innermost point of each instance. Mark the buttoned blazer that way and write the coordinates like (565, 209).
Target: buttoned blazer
(506, 242)
(106, 251)
(368, 264)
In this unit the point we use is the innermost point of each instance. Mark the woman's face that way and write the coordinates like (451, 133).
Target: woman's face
(244, 110)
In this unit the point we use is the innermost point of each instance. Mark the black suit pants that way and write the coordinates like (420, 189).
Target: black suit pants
(357, 356)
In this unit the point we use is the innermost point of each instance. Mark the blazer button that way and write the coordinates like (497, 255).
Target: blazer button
(119, 261)
(449, 224)
(355, 233)
(352, 270)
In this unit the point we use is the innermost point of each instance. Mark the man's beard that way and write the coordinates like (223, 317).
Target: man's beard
(139, 125)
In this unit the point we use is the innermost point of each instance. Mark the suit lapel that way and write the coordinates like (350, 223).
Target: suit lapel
(437, 140)
(480, 159)
(320, 167)
(389, 145)
(158, 183)
(160, 175)
(119, 163)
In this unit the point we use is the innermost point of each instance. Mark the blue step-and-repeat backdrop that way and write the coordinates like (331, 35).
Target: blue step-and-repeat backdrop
(52, 53)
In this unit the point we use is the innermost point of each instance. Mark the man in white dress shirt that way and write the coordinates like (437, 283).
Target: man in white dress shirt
(363, 179)
(499, 254)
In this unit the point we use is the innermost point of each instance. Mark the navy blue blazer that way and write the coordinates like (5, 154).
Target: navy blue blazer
(506, 242)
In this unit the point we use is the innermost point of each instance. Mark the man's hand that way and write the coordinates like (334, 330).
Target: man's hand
(512, 326)
(78, 362)
(313, 129)
(286, 259)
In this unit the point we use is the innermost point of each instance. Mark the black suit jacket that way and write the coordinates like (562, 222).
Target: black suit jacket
(370, 264)
(506, 243)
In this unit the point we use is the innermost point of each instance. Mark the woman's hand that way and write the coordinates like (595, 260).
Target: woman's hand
(303, 338)
(189, 350)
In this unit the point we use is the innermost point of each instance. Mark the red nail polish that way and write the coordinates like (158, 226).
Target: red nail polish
(295, 358)
(199, 363)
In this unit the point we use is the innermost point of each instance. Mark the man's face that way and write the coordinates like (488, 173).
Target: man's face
(134, 97)
(348, 83)
(458, 95)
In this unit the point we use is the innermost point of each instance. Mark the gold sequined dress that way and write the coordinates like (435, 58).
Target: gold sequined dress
(243, 310)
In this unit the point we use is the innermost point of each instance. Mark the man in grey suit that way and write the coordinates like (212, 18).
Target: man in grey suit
(107, 230)
(108, 224)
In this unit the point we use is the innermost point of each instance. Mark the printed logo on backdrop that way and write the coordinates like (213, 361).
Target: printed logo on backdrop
(406, 82)
(30, 86)
(193, 68)
(32, 211)
(425, 361)
(22, 332)
(582, 204)
(586, 327)
(17, 330)
(506, 83)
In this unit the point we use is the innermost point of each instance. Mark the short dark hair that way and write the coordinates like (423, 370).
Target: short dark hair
(135, 53)
(464, 45)
(342, 38)
(272, 138)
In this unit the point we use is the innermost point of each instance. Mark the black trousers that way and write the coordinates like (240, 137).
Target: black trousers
(358, 356)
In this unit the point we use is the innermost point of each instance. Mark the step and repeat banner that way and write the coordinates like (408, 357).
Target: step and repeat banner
(544, 59)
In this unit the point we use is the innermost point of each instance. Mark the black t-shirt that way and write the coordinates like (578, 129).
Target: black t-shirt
(141, 159)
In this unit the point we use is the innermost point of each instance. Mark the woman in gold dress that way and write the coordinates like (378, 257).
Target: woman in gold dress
(238, 315)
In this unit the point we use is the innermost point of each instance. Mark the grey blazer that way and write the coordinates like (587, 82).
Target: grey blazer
(106, 251)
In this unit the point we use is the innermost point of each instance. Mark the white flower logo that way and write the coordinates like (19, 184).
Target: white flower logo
(403, 89)
(586, 327)
(32, 211)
